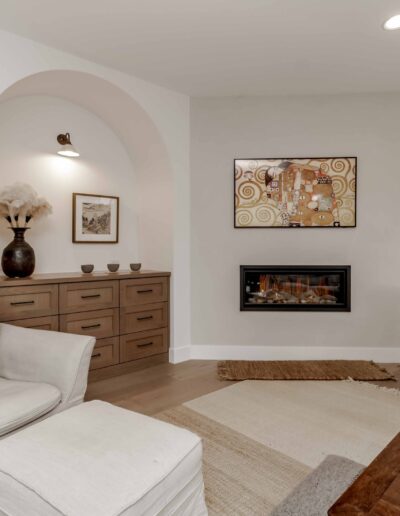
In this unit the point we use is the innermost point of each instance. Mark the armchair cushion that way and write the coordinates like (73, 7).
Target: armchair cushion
(23, 402)
(55, 358)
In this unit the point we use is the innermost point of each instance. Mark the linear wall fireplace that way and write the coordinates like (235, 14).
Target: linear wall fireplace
(314, 288)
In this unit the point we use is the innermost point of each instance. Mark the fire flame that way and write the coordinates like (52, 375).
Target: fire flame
(297, 288)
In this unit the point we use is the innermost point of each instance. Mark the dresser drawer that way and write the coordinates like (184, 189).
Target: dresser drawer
(143, 317)
(49, 322)
(143, 291)
(99, 323)
(144, 344)
(85, 296)
(105, 353)
(26, 302)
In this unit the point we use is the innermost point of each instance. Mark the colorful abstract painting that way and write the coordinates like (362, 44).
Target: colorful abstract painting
(292, 192)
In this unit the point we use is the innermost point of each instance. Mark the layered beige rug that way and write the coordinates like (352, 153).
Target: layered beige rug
(301, 370)
(261, 439)
(242, 477)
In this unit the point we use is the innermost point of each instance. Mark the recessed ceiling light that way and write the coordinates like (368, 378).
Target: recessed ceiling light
(392, 23)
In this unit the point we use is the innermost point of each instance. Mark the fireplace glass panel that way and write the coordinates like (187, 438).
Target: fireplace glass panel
(294, 288)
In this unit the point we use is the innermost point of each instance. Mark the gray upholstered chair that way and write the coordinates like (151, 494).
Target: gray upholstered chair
(41, 373)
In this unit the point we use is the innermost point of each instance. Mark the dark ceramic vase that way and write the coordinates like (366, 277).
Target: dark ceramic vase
(18, 260)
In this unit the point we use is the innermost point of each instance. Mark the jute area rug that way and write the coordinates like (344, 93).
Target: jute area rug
(261, 439)
(301, 370)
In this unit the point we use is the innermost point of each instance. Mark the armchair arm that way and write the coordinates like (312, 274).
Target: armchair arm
(60, 359)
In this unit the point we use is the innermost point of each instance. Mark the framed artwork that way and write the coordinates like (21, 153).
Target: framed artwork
(295, 192)
(95, 219)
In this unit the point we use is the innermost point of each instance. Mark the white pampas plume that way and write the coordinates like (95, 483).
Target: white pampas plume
(20, 191)
(14, 209)
(40, 208)
(23, 214)
(19, 203)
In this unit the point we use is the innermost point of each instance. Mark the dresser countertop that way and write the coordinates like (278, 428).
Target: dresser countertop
(75, 277)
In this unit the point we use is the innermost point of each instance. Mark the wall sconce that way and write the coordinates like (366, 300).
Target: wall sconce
(66, 147)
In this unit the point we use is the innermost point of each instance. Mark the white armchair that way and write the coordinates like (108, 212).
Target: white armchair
(41, 373)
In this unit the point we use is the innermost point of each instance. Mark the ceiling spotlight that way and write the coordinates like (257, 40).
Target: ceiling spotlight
(392, 23)
(66, 147)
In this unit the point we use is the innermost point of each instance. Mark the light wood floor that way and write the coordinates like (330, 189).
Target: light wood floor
(163, 386)
(158, 387)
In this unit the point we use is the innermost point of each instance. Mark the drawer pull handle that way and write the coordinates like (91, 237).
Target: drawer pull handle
(87, 296)
(91, 326)
(145, 291)
(145, 318)
(143, 344)
(96, 355)
(15, 303)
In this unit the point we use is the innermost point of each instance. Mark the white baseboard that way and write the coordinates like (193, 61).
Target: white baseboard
(216, 352)
(177, 355)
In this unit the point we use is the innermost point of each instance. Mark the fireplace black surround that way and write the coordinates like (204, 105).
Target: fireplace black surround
(306, 288)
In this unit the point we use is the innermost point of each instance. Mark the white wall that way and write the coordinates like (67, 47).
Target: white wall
(28, 130)
(366, 126)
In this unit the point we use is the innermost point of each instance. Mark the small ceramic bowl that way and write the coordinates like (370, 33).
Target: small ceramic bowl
(87, 268)
(135, 266)
(113, 267)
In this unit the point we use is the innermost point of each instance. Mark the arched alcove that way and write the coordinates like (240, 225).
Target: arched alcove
(160, 242)
(141, 138)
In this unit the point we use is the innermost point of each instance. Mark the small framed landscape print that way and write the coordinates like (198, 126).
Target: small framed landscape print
(95, 219)
(295, 192)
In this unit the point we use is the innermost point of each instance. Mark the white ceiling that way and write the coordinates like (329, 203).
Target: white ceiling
(225, 47)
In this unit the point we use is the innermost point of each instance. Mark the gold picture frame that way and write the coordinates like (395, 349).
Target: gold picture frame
(295, 192)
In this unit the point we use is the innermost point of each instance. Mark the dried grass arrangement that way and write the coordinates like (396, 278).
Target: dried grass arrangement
(19, 203)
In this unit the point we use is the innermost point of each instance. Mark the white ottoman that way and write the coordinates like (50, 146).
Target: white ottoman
(100, 460)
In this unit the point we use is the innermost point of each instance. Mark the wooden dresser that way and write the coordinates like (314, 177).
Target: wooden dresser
(128, 313)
